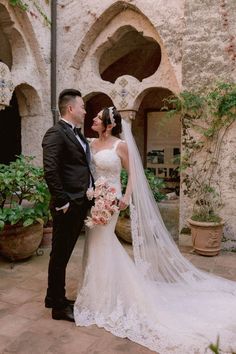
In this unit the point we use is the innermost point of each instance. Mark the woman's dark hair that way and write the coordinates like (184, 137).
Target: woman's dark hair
(106, 120)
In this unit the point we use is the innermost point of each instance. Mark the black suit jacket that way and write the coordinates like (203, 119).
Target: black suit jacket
(66, 165)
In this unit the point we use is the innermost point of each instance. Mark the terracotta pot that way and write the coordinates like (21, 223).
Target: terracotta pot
(206, 237)
(123, 229)
(18, 242)
(47, 237)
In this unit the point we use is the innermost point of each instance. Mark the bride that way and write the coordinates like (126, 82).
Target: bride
(159, 300)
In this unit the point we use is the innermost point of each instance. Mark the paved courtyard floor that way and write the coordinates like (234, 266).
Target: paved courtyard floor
(26, 326)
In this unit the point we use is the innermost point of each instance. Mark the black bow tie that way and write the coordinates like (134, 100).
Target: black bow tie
(77, 131)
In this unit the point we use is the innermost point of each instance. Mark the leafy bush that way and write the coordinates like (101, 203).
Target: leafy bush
(24, 196)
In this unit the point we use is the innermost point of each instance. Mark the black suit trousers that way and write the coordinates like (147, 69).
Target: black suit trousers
(66, 229)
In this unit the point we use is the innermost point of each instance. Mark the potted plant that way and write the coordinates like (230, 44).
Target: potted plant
(123, 226)
(206, 116)
(22, 208)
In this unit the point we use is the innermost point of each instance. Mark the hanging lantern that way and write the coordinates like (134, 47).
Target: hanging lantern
(6, 86)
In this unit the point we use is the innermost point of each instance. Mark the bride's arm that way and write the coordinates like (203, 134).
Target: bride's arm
(122, 151)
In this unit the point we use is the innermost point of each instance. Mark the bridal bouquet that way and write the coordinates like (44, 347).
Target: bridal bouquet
(105, 203)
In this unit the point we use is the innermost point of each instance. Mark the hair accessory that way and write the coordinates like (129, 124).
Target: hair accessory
(111, 116)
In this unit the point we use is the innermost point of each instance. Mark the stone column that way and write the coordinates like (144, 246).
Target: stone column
(128, 115)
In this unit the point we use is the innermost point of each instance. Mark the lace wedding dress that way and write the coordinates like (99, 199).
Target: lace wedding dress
(163, 316)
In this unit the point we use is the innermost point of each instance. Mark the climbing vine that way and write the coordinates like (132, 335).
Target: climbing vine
(29, 6)
(206, 117)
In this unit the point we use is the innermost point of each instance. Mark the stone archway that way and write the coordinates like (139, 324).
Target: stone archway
(158, 137)
(95, 102)
(131, 53)
(13, 49)
(100, 23)
(5, 45)
(32, 127)
(159, 141)
(113, 43)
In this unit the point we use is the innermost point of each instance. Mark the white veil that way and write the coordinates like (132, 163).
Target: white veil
(155, 252)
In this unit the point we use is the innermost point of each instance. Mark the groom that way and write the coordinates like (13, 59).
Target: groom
(66, 158)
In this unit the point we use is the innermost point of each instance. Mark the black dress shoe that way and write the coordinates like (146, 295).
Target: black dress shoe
(49, 302)
(65, 314)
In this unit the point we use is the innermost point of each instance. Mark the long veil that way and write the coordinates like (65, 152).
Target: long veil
(155, 252)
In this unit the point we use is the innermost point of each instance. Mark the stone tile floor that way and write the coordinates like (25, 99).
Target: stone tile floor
(26, 326)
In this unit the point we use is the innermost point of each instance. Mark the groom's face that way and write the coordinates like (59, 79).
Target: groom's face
(78, 110)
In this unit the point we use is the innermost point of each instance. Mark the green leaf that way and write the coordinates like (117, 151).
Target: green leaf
(28, 222)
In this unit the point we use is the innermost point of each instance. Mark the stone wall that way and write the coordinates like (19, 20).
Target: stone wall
(208, 57)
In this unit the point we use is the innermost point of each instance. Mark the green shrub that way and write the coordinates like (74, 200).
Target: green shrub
(24, 196)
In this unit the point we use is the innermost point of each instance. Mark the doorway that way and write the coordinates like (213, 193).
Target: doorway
(10, 132)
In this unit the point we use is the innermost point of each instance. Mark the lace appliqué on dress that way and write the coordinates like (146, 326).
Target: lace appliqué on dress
(137, 241)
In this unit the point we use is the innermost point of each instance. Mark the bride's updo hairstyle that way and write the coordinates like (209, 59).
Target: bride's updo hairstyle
(111, 116)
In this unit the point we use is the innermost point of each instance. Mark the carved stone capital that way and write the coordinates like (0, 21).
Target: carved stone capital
(128, 115)
(124, 92)
(6, 86)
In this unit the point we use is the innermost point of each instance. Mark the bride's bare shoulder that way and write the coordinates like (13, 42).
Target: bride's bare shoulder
(122, 147)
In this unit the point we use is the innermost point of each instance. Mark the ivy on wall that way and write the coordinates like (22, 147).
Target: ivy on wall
(25, 6)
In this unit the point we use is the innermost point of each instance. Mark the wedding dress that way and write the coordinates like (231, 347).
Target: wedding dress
(167, 317)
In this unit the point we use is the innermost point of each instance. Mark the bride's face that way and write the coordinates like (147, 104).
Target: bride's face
(97, 123)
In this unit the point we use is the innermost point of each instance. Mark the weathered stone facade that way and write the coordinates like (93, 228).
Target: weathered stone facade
(101, 50)
(25, 48)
